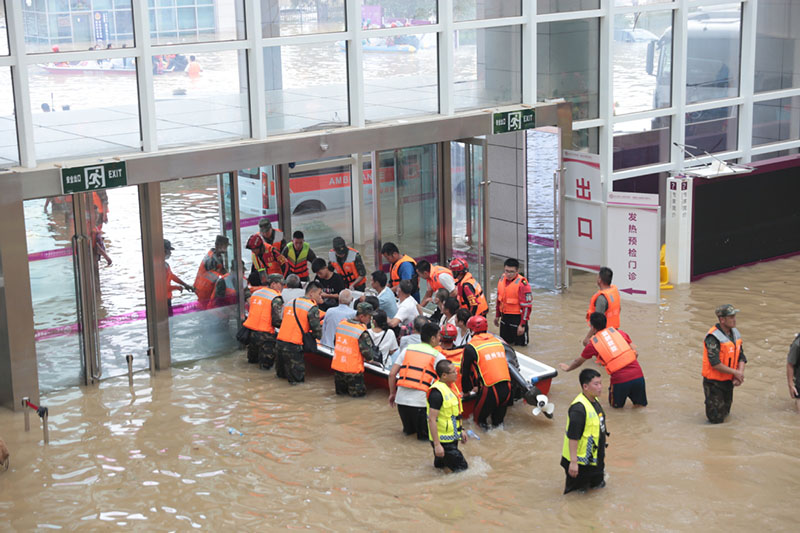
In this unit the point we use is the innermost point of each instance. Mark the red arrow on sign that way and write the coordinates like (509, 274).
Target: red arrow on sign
(633, 291)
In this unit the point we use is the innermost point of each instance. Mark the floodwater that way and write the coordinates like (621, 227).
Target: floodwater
(159, 456)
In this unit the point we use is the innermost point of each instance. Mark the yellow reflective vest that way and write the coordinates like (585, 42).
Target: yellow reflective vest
(589, 442)
(449, 421)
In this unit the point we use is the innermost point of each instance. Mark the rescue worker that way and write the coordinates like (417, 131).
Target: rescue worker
(347, 263)
(514, 303)
(468, 291)
(298, 255)
(723, 364)
(401, 267)
(438, 277)
(171, 277)
(484, 370)
(614, 351)
(584, 449)
(444, 419)
(606, 300)
(266, 247)
(299, 317)
(353, 346)
(793, 371)
(410, 378)
(447, 347)
(211, 269)
(266, 313)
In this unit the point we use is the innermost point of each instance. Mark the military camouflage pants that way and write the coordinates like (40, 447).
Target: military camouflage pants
(351, 384)
(266, 353)
(289, 362)
(719, 398)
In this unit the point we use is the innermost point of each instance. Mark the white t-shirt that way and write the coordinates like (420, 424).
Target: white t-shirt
(407, 311)
(447, 281)
(412, 397)
(387, 343)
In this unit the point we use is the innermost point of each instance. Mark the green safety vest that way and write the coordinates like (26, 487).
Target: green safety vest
(589, 442)
(449, 421)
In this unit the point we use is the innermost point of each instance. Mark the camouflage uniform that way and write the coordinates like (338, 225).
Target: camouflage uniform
(353, 384)
(266, 355)
(718, 394)
(289, 362)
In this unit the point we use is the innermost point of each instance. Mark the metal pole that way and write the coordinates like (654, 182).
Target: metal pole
(27, 413)
(45, 430)
(151, 357)
(129, 359)
(555, 230)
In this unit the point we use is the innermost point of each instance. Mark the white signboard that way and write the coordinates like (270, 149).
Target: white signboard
(633, 245)
(583, 211)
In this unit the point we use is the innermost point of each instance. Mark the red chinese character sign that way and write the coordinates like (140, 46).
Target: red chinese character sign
(633, 244)
(583, 211)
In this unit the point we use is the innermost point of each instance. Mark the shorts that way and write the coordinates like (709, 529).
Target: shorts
(633, 389)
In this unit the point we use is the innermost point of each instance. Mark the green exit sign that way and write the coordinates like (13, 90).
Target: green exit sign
(94, 177)
(509, 121)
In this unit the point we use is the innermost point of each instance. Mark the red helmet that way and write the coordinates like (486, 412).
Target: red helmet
(458, 265)
(448, 332)
(254, 242)
(477, 324)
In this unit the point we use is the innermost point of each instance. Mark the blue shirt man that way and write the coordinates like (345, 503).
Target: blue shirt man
(333, 316)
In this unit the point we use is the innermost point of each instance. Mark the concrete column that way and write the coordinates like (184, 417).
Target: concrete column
(18, 373)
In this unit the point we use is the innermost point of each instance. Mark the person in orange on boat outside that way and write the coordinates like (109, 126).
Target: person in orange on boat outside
(353, 346)
(614, 351)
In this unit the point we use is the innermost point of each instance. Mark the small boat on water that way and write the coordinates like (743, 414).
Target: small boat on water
(530, 381)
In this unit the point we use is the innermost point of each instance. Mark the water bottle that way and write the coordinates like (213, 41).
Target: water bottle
(471, 434)
(234, 431)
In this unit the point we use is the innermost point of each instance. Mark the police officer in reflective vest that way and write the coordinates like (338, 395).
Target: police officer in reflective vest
(484, 370)
(353, 346)
(264, 318)
(347, 263)
(299, 317)
(584, 449)
(298, 255)
(723, 364)
(606, 300)
(514, 303)
(410, 378)
(614, 351)
(444, 419)
(468, 291)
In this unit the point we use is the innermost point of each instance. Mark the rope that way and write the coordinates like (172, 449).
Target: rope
(40, 410)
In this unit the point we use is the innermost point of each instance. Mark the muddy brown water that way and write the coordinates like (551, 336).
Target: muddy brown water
(159, 456)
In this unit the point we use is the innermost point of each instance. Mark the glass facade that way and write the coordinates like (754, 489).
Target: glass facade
(327, 64)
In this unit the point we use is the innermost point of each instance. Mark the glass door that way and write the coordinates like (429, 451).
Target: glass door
(107, 254)
(543, 162)
(469, 210)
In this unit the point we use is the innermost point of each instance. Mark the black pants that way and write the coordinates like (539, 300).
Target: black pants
(589, 477)
(493, 402)
(508, 330)
(453, 458)
(719, 398)
(415, 420)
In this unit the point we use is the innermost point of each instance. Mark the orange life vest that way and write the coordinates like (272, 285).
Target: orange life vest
(436, 271)
(228, 297)
(260, 317)
(454, 355)
(480, 298)
(272, 258)
(347, 269)
(612, 312)
(728, 354)
(492, 363)
(346, 353)
(613, 351)
(418, 370)
(206, 280)
(289, 331)
(508, 295)
(394, 272)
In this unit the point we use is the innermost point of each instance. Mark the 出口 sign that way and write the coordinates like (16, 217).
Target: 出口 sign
(94, 177)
